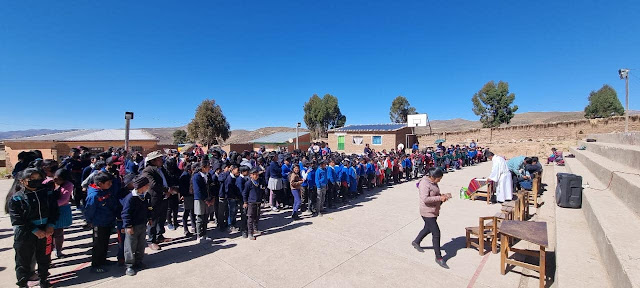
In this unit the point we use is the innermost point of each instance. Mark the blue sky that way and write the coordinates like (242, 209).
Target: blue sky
(81, 64)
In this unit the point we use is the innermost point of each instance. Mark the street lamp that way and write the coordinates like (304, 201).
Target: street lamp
(624, 74)
(127, 118)
(297, 126)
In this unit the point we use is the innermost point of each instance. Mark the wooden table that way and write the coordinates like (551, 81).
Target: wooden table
(533, 232)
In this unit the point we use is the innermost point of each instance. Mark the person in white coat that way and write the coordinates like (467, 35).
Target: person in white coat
(501, 178)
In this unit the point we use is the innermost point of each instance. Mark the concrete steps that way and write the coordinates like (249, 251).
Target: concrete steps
(612, 223)
(625, 181)
(578, 262)
(631, 138)
(628, 155)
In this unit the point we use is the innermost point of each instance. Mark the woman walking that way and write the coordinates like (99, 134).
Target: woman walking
(430, 201)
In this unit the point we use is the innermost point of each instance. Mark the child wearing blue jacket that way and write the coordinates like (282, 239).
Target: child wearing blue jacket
(135, 215)
(252, 195)
(321, 184)
(100, 211)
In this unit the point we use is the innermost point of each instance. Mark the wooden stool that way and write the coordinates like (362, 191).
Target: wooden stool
(533, 232)
(487, 194)
(488, 231)
(535, 189)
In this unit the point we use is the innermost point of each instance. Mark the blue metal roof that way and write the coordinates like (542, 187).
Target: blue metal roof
(370, 127)
(278, 138)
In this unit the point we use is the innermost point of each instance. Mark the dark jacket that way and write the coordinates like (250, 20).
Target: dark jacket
(241, 182)
(222, 191)
(275, 171)
(156, 186)
(135, 211)
(184, 184)
(231, 189)
(101, 206)
(33, 210)
(253, 191)
(201, 187)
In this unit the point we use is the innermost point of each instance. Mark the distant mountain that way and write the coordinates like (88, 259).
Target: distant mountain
(237, 136)
(28, 133)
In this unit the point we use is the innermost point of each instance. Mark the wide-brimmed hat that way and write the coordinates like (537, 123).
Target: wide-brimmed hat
(154, 155)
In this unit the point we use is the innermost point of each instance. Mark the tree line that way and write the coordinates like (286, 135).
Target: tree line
(493, 103)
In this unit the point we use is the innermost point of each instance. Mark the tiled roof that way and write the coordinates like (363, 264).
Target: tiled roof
(370, 127)
(279, 137)
(90, 135)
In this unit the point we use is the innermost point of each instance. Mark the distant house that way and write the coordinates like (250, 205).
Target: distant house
(282, 139)
(57, 145)
(353, 138)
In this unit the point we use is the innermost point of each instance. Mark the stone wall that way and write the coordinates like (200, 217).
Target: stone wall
(558, 134)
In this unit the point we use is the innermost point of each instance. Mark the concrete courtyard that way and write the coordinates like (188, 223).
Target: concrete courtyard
(363, 244)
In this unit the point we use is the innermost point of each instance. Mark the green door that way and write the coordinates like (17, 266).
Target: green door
(340, 142)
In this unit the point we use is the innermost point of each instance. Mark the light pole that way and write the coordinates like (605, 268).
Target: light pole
(127, 118)
(624, 74)
(297, 126)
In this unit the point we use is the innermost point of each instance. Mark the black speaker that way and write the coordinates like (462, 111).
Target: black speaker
(569, 190)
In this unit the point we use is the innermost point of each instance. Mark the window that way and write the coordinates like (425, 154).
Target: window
(376, 140)
(357, 140)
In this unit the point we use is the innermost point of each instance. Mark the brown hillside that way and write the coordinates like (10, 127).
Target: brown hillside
(237, 136)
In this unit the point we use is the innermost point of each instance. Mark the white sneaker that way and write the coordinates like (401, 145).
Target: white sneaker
(275, 209)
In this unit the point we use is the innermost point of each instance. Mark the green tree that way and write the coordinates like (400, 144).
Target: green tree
(180, 137)
(399, 110)
(322, 114)
(493, 103)
(209, 125)
(603, 103)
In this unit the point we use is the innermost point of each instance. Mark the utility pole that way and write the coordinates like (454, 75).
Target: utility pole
(624, 74)
(127, 118)
(297, 126)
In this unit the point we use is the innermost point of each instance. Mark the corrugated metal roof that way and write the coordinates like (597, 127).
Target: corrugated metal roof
(91, 135)
(370, 127)
(279, 137)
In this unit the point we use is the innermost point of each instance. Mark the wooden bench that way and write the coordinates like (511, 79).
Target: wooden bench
(533, 232)
(535, 189)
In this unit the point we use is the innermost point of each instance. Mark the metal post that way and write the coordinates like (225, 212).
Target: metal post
(127, 116)
(126, 135)
(297, 126)
(626, 108)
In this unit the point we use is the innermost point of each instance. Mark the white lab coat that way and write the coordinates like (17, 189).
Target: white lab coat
(501, 177)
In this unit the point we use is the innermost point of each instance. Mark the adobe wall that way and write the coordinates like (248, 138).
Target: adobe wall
(547, 135)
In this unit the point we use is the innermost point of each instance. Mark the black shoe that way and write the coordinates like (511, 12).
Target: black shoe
(45, 284)
(417, 246)
(130, 272)
(295, 217)
(187, 234)
(442, 263)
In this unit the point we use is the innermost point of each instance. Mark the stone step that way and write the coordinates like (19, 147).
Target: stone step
(578, 262)
(625, 154)
(631, 138)
(613, 226)
(624, 181)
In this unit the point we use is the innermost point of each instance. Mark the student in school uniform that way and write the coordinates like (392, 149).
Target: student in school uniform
(252, 195)
(33, 211)
(222, 215)
(295, 182)
(135, 216)
(100, 211)
(241, 181)
(321, 184)
(331, 183)
(201, 199)
(186, 193)
(232, 194)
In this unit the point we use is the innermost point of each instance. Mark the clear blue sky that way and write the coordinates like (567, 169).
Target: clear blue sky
(81, 64)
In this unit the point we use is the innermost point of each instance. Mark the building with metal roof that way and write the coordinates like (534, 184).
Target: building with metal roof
(57, 145)
(354, 138)
(371, 128)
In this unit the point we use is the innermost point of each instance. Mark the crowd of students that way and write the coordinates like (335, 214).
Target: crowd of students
(139, 196)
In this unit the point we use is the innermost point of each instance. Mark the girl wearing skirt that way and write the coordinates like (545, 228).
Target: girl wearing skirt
(64, 189)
